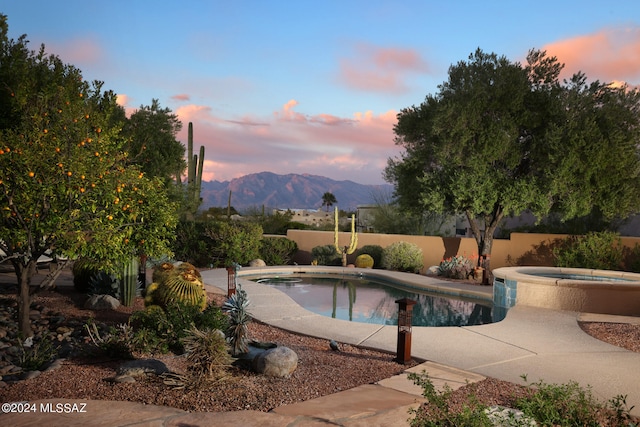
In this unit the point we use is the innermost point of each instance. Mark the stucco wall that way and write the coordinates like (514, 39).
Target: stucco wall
(520, 249)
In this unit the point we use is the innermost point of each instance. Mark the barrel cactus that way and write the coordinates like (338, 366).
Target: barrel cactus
(180, 282)
(161, 271)
(184, 287)
(364, 261)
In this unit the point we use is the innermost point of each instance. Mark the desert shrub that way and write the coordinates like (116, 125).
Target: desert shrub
(162, 329)
(207, 352)
(117, 342)
(403, 256)
(192, 244)
(456, 267)
(571, 405)
(37, 355)
(364, 261)
(233, 242)
(83, 269)
(326, 255)
(277, 250)
(375, 251)
(598, 250)
(438, 412)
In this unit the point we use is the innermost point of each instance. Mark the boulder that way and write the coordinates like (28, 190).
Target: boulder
(102, 302)
(276, 362)
(257, 263)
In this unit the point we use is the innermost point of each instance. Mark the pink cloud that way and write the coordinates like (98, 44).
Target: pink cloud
(181, 97)
(355, 148)
(379, 69)
(86, 52)
(607, 55)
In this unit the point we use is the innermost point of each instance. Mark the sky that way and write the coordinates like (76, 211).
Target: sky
(307, 86)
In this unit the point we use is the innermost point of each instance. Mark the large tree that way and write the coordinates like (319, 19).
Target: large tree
(500, 138)
(153, 145)
(66, 186)
(328, 200)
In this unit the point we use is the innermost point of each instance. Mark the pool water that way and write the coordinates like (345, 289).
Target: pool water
(368, 301)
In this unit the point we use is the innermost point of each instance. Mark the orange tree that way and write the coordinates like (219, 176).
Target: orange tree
(65, 184)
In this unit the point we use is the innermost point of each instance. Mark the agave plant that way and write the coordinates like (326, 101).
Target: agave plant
(238, 333)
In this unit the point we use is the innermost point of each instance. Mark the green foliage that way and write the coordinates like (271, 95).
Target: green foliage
(602, 251)
(273, 223)
(66, 182)
(36, 356)
(277, 250)
(499, 138)
(547, 404)
(158, 329)
(101, 283)
(192, 243)
(438, 413)
(239, 318)
(364, 261)
(375, 251)
(328, 200)
(456, 267)
(403, 256)
(232, 241)
(326, 255)
(117, 343)
(129, 282)
(571, 405)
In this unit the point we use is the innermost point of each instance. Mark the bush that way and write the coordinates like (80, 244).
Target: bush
(277, 250)
(375, 251)
(233, 242)
(403, 256)
(457, 267)
(208, 355)
(364, 261)
(158, 329)
(598, 250)
(326, 255)
(192, 244)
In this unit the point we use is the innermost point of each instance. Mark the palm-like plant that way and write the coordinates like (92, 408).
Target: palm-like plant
(328, 199)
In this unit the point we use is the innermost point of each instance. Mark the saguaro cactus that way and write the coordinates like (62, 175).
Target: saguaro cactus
(195, 166)
(346, 250)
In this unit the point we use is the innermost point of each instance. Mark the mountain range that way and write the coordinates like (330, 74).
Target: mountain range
(292, 191)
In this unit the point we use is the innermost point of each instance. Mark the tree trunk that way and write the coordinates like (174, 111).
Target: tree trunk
(485, 240)
(24, 274)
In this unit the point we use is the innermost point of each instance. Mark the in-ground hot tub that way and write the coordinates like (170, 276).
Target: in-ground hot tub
(572, 289)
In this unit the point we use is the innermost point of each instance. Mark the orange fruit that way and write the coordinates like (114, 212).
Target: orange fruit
(31, 174)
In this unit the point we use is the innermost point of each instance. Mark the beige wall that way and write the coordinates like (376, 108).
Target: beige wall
(520, 249)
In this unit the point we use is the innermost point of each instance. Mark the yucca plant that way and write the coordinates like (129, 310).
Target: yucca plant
(208, 354)
(238, 331)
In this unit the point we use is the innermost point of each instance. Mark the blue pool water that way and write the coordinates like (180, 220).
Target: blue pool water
(365, 300)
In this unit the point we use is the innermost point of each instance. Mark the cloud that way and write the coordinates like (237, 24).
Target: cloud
(287, 141)
(379, 69)
(181, 97)
(607, 55)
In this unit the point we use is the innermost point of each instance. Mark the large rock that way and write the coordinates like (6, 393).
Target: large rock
(257, 263)
(102, 302)
(276, 362)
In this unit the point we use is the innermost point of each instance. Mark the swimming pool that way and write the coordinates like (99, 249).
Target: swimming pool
(362, 299)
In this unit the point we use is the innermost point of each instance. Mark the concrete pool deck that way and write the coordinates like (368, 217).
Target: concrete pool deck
(540, 343)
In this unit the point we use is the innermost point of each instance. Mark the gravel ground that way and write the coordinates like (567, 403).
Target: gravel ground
(320, 371)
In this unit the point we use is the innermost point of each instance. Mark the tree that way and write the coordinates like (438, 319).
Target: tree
(65, 185)
(153, 145)
(499, 138)
(328, 200)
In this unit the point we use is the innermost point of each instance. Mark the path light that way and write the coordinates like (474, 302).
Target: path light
(405, 314)
(231, 279)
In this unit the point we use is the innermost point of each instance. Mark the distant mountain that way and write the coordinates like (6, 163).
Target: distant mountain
(292, 191)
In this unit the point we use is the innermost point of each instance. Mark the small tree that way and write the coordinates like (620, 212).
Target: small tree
(328, 200)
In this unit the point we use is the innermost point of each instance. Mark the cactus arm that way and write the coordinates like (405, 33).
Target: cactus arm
(354, 236)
